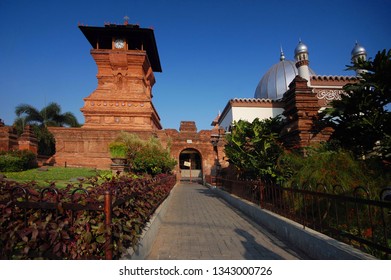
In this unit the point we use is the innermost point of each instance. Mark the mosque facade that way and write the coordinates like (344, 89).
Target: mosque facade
(291, 89)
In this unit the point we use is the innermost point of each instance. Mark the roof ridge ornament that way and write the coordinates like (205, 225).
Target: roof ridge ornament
(126, 20)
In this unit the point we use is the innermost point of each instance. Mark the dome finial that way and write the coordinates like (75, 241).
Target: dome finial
(358, 50)
(282, 56)
(358, 53)
(301, 48)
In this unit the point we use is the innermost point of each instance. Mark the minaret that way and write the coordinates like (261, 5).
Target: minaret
(301, 56)
(126, 57)
(359, 54)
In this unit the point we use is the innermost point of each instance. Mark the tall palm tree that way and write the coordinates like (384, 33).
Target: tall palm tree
(50, 115)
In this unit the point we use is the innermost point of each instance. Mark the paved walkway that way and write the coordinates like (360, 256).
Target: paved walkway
(200, 225)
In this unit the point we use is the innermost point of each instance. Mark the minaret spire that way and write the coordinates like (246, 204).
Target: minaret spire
(302, 62)
(282, 56)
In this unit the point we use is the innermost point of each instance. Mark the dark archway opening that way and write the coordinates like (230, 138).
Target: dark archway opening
(190, 164)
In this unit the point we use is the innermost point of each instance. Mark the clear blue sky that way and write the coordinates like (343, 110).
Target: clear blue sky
(210, 51)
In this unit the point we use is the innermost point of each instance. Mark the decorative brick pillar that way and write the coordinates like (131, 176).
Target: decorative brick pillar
(8, 138)
(28, 141)
(301, 110)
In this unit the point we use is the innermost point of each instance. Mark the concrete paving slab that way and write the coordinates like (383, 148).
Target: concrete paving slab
(200, 225)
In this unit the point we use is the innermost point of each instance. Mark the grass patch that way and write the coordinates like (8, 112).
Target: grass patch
(61, 175)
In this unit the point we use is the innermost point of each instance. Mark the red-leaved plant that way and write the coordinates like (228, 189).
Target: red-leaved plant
(70, 223)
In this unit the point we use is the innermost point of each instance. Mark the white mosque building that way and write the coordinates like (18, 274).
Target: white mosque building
(272, 97)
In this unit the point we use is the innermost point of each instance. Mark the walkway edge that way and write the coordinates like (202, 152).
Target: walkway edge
(148, 236)
(316, 245)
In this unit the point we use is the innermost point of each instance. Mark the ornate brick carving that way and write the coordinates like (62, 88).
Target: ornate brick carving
(123, 94)
(329, 94)
(301, 109)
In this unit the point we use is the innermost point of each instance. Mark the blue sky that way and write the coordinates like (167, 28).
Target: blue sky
(210, 51)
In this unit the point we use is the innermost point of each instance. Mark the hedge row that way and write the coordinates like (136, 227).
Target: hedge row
(14, 161)
(65, 234)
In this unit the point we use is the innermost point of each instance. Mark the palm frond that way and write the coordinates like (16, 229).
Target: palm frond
(29, 113)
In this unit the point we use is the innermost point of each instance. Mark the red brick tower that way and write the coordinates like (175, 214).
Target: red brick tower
(126, 57)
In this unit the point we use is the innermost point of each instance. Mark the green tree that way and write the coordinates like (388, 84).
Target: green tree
(153, 158)
(361, 119)
(254, 147)
(133, 145)
(326, 166)
(50, 115)
(147, 156)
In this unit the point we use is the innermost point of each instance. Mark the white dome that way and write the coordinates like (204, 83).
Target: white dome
(276, 81)
(358, 50)
(301, 48)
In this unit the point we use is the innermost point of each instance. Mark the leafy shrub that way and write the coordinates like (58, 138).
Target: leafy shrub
(14, 161)
(326, 166)
(132, 142)
(118, 149)
(46, 140)
(62, 233)
(153, 159)
(147, 156)
(254, 147)
(9, 163)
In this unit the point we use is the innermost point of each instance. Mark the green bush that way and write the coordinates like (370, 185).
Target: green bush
(9, 163)
(64, 234)
(153, 159)
(14, 161)
(118, 149)
(146, 156)
(46, 140)
(328, 167)
(254, 147)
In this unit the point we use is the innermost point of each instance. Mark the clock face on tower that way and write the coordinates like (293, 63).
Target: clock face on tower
(119, 43)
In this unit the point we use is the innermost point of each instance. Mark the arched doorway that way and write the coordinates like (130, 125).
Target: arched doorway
(190, 164)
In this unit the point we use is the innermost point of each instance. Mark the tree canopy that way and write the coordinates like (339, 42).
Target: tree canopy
(254, 147)
(49, 115)
(362, 119)
(147, 156)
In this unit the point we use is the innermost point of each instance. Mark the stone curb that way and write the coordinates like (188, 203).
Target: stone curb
(148, 236)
